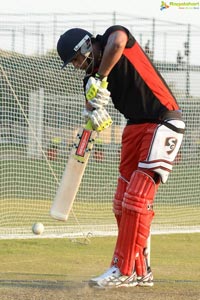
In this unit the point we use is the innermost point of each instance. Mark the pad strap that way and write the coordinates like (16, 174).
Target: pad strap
(141, 263)
(174, 128)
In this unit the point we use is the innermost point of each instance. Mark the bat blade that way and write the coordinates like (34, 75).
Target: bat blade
(73, 174)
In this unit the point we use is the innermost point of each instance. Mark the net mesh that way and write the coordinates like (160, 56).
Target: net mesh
(41, 108)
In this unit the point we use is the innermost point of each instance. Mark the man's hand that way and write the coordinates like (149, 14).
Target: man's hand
(102, 98)
(97, 93)
(100, 118)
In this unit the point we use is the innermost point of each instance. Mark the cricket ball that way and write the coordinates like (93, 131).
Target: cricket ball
(38, 228)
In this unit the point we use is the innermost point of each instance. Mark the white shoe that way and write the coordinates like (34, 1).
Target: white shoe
(112, 278)
(146, 280)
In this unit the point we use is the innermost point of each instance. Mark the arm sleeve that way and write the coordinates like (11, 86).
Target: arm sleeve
(104, 38)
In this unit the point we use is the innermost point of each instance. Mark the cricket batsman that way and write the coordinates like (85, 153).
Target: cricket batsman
(117, 68)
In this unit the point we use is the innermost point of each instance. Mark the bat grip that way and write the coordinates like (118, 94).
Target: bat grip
(88, 125)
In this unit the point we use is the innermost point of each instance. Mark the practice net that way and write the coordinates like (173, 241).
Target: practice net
(40, 113)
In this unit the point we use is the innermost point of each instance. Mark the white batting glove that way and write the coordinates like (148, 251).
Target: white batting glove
(100, 119)
(96, 92)
(102, 98)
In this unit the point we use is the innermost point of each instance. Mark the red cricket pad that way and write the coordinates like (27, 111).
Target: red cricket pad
(118, 198)
(141, 243)
(141, 263)
(137, 214)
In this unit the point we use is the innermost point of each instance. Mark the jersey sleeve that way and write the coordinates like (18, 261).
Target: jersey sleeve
(104, 38)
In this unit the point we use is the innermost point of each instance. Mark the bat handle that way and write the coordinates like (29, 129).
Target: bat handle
(88, 125)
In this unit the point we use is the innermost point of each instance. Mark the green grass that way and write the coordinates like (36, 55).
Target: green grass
(174, 257)
(60, 268)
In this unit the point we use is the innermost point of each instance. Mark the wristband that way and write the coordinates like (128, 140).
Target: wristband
(101, 77)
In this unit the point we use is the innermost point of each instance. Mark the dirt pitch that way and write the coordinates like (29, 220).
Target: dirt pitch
(60, 290)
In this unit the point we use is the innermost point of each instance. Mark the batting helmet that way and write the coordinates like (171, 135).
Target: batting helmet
(70, 42)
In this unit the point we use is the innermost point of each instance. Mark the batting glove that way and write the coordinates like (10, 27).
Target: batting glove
(96, 92)
(100, 119)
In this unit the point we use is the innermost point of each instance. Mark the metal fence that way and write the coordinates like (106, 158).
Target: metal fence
(38, 33)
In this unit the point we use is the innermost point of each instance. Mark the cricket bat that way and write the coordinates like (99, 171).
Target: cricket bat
(73, 173)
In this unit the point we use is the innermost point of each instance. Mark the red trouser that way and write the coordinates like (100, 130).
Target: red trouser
(136, 141)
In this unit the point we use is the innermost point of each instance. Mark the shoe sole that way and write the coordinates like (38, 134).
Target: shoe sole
(145, 284)
(94, 284)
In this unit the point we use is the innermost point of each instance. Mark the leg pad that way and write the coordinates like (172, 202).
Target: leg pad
(118, 198)
(137, 214)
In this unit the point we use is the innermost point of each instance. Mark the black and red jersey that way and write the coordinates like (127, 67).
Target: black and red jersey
(137, 89)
